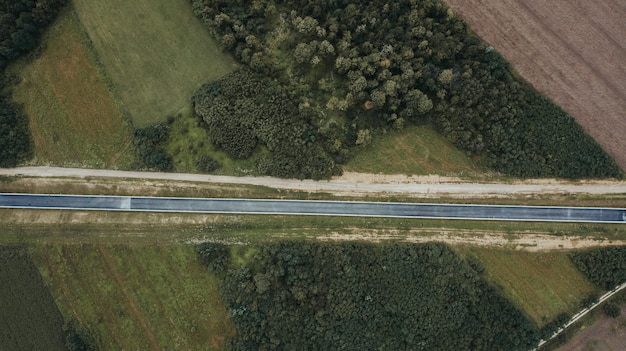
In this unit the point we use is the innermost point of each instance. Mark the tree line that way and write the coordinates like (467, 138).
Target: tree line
(605, 267)
(363, 68)
(356, 296)
(21, 24)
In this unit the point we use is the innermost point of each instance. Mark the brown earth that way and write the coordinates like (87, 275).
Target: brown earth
(606, 334)
(573, 51)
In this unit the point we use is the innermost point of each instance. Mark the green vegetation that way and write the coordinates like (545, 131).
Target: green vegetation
(244, 110)
(188, 143)
(29, 319)
(74, 120)
(356, 296)
(21, 24)
(605, 267)
(412, 150)
(357, 70)
(543, 285)
(149, 143)
(156, 54)
(137, 297)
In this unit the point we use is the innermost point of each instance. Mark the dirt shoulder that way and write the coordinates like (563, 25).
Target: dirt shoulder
(352, 184)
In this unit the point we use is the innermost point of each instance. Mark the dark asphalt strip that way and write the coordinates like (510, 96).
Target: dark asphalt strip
(312, 207)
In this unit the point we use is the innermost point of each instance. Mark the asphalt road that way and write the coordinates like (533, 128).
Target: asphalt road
(318, 208)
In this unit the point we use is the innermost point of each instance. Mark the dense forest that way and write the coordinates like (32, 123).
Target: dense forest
(354, 296)
(243, 110)
(21, 24)
(358, 69)
(605, 267)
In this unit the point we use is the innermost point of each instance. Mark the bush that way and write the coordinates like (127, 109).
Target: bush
(149, 144)
(207, 164)
(215, 256)
(611, 310)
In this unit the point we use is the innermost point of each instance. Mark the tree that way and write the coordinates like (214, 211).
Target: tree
(611, 310)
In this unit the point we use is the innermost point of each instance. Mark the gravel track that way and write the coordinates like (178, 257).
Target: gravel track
(355, 183)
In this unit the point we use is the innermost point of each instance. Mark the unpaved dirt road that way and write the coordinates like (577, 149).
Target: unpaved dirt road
(356, 183)
(573, 51)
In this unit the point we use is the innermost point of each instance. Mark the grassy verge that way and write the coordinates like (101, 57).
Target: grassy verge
(543, 285)
(188, 140)
(137, 297)
(157, 53)
(413, 150)
(43, 226)
(74, 120)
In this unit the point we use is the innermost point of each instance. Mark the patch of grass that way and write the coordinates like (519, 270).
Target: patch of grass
(188, 140)
(73, 118)
(541, 284)
(29, 319)
(413, 150)
(137, 297)
(157, 53)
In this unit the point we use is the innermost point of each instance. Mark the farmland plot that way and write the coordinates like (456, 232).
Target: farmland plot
(573, 51)
(157, 53)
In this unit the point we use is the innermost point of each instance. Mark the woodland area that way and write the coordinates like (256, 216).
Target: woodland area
(21, 24)
(355, 296)
(605, 267)
(358, 69)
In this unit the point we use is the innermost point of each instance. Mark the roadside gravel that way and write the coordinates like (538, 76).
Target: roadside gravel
(357, 183)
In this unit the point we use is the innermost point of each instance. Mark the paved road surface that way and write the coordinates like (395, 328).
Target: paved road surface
(423, 186)
(319, 208)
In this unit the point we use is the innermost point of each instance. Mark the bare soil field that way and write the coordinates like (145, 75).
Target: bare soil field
(573, 51)
(606, 334)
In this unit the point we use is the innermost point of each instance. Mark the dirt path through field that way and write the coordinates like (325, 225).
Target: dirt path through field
(574, 51)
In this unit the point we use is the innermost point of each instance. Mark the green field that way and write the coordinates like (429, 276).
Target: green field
(413, 150)
(157, 53)
(74, 120)
(541, 284)
(29, 319)
(136, 297)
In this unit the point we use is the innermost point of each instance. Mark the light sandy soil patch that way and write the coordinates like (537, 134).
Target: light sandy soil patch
(533, 242)
(574, 51)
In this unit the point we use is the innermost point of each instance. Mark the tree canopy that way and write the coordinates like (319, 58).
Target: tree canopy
(21, 23)
(354, 296)
(378, 65)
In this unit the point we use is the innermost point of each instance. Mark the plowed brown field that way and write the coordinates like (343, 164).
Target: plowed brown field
(573, 51)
